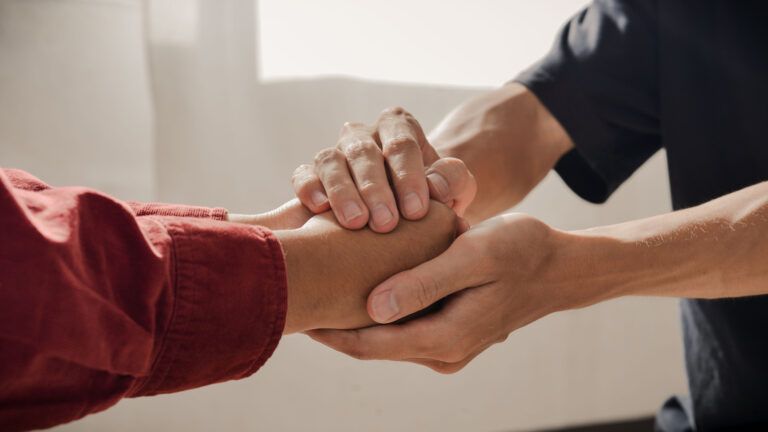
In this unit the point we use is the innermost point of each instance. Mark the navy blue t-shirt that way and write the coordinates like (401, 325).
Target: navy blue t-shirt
(626, 78)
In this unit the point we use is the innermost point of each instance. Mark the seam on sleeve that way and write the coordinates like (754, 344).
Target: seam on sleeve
(144, 384)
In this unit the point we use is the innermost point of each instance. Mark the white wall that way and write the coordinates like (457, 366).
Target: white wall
(76, 108)
(74, 94)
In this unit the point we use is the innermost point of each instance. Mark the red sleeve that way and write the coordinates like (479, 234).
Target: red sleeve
(97, 304)
(25, 181)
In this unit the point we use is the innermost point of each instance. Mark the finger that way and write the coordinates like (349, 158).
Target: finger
(332, 170)
(368, 170)
(414, 339)
(402, 151)
(417, 288)
(441, 337)
(453, 365)
(442, 366)
(309, 190)
(428, 153)
(451, 183)
(291, 215)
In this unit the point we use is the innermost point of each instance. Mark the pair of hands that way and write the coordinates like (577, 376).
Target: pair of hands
(491, 278)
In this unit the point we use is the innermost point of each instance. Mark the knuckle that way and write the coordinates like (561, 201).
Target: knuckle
(302, 182)
(447, 368)
(427, 291)
(337, 190)
(400, 145)
(454, 165)
(303, 178)
(394, 110)
(301, 170)
(358, 354)
(362, 149)
(351, 126)
(406, 179)
(300, 178)
(328, 155)
(369, 189)
(453, 355)
(357, 349)
(454, 170)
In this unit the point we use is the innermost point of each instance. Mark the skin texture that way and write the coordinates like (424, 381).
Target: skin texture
(331, 270)
(510, 270)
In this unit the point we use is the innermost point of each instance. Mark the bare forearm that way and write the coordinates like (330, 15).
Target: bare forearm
(508, 140)
(331, 270)
(716, 250)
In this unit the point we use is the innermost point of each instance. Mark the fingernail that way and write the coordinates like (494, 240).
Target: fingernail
(318, 198)
(381, 215)
(440, 185)
(412, 203)
(351, 211)
(384, 306)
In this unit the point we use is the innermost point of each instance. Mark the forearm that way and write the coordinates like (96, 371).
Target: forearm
(331, 270)
(509, 141)
(716, 250)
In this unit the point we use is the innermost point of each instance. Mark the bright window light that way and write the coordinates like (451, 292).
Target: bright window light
(447, 42)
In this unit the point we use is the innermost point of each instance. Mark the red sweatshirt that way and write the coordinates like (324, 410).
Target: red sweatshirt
(102, 299)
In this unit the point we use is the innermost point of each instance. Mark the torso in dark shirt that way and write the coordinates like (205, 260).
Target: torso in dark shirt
(626, 78)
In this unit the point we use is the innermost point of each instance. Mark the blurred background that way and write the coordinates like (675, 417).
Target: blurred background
(215, 102)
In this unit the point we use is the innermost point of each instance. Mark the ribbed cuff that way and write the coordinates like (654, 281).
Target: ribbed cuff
(161, 209)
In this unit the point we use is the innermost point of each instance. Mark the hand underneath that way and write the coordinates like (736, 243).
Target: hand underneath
(291, 215)
(495, 278)
(332, 270)
(353, 178)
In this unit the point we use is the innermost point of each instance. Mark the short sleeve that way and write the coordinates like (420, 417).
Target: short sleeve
(600, 81)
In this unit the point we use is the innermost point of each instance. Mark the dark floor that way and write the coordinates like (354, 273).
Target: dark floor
(638, 425)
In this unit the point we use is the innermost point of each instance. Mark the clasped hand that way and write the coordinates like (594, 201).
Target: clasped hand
(493, 279)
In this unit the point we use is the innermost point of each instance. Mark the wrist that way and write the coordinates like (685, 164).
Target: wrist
(589, 268)
(301, 312)
(632, 258)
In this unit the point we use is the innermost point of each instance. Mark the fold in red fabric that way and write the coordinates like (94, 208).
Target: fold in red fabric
(102, 299)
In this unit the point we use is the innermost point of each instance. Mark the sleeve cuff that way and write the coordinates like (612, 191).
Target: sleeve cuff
(161, 209)
(581, 168)
(607, 102)
(230, 302)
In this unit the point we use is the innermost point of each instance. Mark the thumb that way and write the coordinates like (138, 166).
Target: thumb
(451, 183)
(415, 289)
